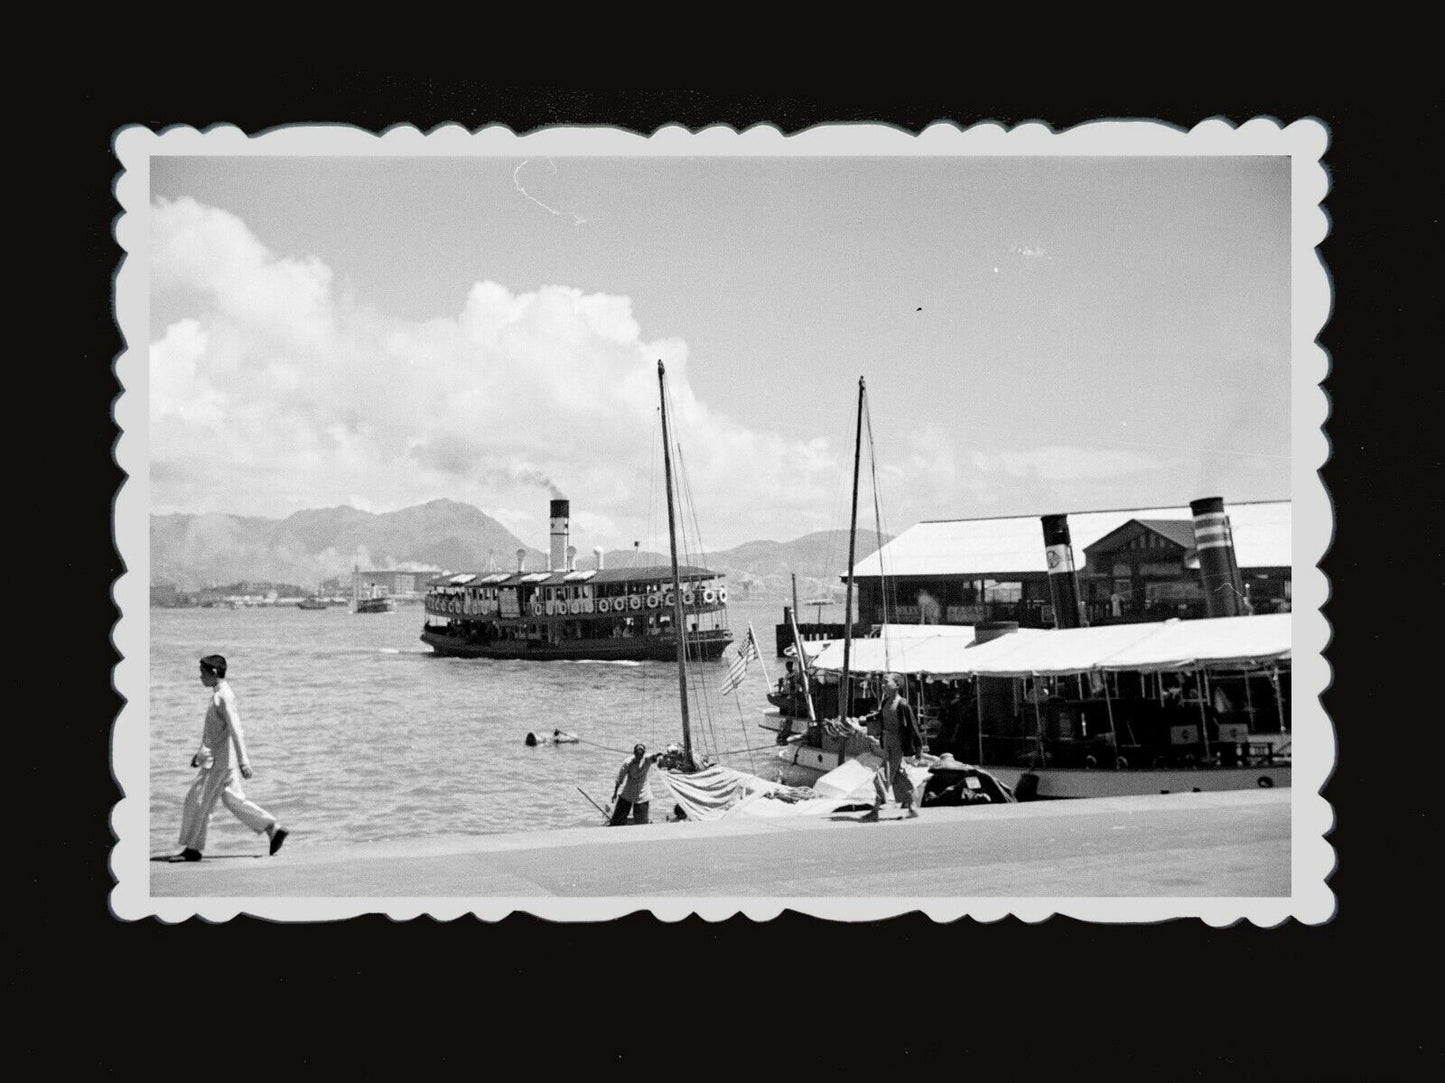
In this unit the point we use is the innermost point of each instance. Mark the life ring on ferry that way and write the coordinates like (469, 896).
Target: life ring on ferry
(652, 600)
(709, 596)
(603, 605)
(536, 608)
(574, 606)
(722, 595)
(687, 597)
(669, 599)
(634, 601)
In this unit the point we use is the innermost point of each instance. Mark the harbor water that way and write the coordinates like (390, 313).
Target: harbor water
(358, 733)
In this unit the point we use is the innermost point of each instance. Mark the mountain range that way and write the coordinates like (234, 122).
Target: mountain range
(191, 552)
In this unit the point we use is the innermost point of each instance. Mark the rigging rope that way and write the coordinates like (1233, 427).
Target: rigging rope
(878, 530)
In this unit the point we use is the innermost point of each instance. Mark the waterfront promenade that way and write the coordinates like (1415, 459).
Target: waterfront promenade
(1234, 843)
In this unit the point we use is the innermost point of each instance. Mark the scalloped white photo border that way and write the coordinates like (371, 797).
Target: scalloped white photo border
(1312, 858)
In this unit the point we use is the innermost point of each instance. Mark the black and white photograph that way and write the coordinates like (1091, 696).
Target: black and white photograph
(863, 522)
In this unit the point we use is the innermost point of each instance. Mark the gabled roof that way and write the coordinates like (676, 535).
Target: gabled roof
(1178, 531)
(998, 548)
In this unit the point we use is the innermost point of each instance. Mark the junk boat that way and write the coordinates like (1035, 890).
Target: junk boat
(604, 614)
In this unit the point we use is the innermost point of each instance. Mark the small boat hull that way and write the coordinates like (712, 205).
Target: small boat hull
(652, 648)
(800, 764)
(1073, 782)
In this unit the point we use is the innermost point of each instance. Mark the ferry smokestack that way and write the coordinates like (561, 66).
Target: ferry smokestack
(1218, 570)
(571, 558)
(597, 552)
(1063, 577)
(521, 560)
(561, 513)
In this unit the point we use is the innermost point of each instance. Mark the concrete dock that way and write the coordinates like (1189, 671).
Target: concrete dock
(1234, 843)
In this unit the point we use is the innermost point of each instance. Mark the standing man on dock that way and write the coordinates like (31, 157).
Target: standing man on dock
(217, 781)
(634, 781)
(900, 737)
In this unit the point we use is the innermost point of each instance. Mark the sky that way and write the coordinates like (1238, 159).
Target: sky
(1037, 335)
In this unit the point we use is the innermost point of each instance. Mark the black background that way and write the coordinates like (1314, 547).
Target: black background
(1177, 1000)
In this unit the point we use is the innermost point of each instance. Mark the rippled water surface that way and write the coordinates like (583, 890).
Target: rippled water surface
(357, 732)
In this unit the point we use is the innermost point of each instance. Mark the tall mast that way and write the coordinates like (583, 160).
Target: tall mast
(677, 619)
(802, 657)
(844, 700)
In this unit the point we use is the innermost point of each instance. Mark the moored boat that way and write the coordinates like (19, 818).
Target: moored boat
(313, 603)
(1170, 706)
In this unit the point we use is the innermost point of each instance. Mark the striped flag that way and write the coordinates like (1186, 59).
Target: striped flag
(747, 651)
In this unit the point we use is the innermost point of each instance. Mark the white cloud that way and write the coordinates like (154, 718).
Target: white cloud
(272, 391)
(1063, 463)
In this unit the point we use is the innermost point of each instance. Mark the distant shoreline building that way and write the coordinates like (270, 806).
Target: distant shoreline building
(1133, 564)
(386, 583)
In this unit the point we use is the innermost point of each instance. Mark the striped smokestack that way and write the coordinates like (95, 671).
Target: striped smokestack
(597, 552)
(521, 559)
(1218, 570)
(561, 512)
(1063, 578)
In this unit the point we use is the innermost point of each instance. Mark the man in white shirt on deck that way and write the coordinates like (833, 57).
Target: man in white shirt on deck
(217, 780)
(634, 785)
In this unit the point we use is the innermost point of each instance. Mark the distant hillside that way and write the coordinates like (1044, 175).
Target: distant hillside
(195, 551)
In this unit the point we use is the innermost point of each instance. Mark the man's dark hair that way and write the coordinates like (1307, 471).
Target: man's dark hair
(214, 663)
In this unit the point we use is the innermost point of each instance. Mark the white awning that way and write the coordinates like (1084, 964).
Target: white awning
(1221, 642)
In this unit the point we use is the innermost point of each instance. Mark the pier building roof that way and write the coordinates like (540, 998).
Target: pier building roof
(1002, 547)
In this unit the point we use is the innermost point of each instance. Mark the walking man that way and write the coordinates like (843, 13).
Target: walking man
(635, 783)
(220, 736)
(900, 737)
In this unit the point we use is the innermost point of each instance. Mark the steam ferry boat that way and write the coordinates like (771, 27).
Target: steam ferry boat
(608, 614)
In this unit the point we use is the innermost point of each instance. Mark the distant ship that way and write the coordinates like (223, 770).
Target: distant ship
(373, 602)
(313, 603)
(606, 614)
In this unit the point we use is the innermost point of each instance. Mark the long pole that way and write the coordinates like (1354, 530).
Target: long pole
(802, 660)
(1109, 707)
(677, 617)
(844, 700)
(978, 713)
(1201, 682)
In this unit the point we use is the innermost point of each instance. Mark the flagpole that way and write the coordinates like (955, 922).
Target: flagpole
(766, 675)
(747, 651)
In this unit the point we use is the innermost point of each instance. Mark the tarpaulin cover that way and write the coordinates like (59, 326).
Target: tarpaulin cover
(877, 655)
(1221, 641)
(898, 632)
(720, 793)
(707, 794)
(1174, 644)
